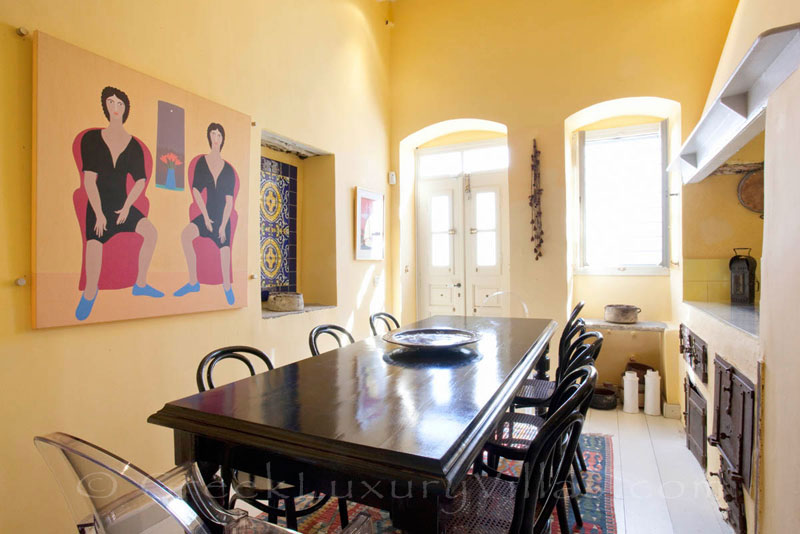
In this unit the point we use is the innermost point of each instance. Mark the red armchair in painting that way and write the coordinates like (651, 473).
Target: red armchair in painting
(121, 252)
(209, 270)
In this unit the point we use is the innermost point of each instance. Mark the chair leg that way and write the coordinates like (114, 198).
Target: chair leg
(273, 518)
(561, 509)
(291, 513)
(576, 469)
(343, 519)
(573, 501)
(493, 461)
(581, 460)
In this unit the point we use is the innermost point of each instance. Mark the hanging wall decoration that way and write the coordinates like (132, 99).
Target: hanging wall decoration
(117, 234)
(535, 202)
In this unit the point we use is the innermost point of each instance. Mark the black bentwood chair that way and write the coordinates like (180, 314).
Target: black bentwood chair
(335, 331)
(489, 505)
(250, 488)
(389, 322)
(536, 393)
(516, 431)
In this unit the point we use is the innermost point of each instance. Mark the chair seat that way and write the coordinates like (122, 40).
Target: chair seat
(534, 392)
(482, 505)
(513, 435)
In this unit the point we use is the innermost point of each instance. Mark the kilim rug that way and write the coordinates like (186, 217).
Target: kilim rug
(597, 505)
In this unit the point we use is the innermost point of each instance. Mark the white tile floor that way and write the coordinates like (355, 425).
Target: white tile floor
(658, 485)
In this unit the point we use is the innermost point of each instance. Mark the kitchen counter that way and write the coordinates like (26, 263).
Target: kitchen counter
(741, 316)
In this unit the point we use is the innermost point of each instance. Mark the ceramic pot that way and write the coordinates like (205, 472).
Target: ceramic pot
(285, 302)
(622, 313)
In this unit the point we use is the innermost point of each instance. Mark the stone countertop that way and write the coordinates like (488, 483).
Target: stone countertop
(269, 314)
(743, 317)
(640, 326)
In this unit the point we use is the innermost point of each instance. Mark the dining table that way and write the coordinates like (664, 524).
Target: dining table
(380, 424)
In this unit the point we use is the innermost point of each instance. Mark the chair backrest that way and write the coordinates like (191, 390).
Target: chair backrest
(582, 370)
(389, 322)
(237, 352)
(567, 336)
(569, 326)
(334, 330)
(593, 340)
(112, 495)
(548, 460)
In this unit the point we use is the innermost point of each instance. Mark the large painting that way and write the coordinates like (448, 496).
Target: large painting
(118, 232)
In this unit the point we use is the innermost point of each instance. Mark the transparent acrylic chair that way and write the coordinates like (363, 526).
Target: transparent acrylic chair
(502, 304)
(108, 495)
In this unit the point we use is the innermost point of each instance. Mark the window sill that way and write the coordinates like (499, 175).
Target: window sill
(269, 314)
(622, 271)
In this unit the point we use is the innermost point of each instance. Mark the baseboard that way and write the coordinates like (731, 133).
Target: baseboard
(672, 411)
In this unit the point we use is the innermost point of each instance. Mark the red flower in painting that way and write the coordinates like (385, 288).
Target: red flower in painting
(171, 160)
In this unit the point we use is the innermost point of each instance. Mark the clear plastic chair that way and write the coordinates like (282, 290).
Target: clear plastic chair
(108, 495)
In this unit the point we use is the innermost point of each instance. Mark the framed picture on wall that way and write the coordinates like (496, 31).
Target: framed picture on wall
(369, 225)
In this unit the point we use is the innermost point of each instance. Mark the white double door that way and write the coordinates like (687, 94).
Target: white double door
(462, 245)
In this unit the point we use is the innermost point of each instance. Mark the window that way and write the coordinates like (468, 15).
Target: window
(469, 158)
(623, 194)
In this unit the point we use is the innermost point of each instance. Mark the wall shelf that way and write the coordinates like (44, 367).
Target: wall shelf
(738, 113)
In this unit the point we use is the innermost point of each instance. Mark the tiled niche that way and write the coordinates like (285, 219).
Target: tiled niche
(278, 225)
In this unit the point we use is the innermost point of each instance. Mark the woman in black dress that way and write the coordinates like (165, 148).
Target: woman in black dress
(109, 155)
(217, 178)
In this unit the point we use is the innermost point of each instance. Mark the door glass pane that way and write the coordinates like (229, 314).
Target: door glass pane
(486, 159)
(440, 213)
(440, 164)
(440, 250)
(486, 249)
(485, 215)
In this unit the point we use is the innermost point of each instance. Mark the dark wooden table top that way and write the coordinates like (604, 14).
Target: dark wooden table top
(373, 407)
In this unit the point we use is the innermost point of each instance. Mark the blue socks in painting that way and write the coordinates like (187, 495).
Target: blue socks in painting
(146, 291)
(229, 296)
(188, 288)
(84, 307)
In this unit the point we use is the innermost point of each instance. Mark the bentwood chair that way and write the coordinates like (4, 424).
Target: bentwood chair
(534, 392)
(492, 505)
(109, 495)
(252, 489)
(389, 322)
(337, 332)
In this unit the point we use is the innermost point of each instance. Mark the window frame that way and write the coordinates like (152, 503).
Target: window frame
(459, 147)
(661, 268)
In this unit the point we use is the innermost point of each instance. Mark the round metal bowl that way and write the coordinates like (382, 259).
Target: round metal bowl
(431, 338)
(604, 399)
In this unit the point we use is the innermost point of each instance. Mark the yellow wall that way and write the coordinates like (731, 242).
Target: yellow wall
(779, 333)
(714, 220)
(315, 71)
(529, 66)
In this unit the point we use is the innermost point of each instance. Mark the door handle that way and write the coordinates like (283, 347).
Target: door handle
(456, 285)
(473, 230)
(452, 231)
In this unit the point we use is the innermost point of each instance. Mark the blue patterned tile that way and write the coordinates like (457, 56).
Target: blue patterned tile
(278, 225)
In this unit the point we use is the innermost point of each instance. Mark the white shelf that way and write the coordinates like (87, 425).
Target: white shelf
(738, 113)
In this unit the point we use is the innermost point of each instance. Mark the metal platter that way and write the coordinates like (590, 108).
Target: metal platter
(431, 338)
